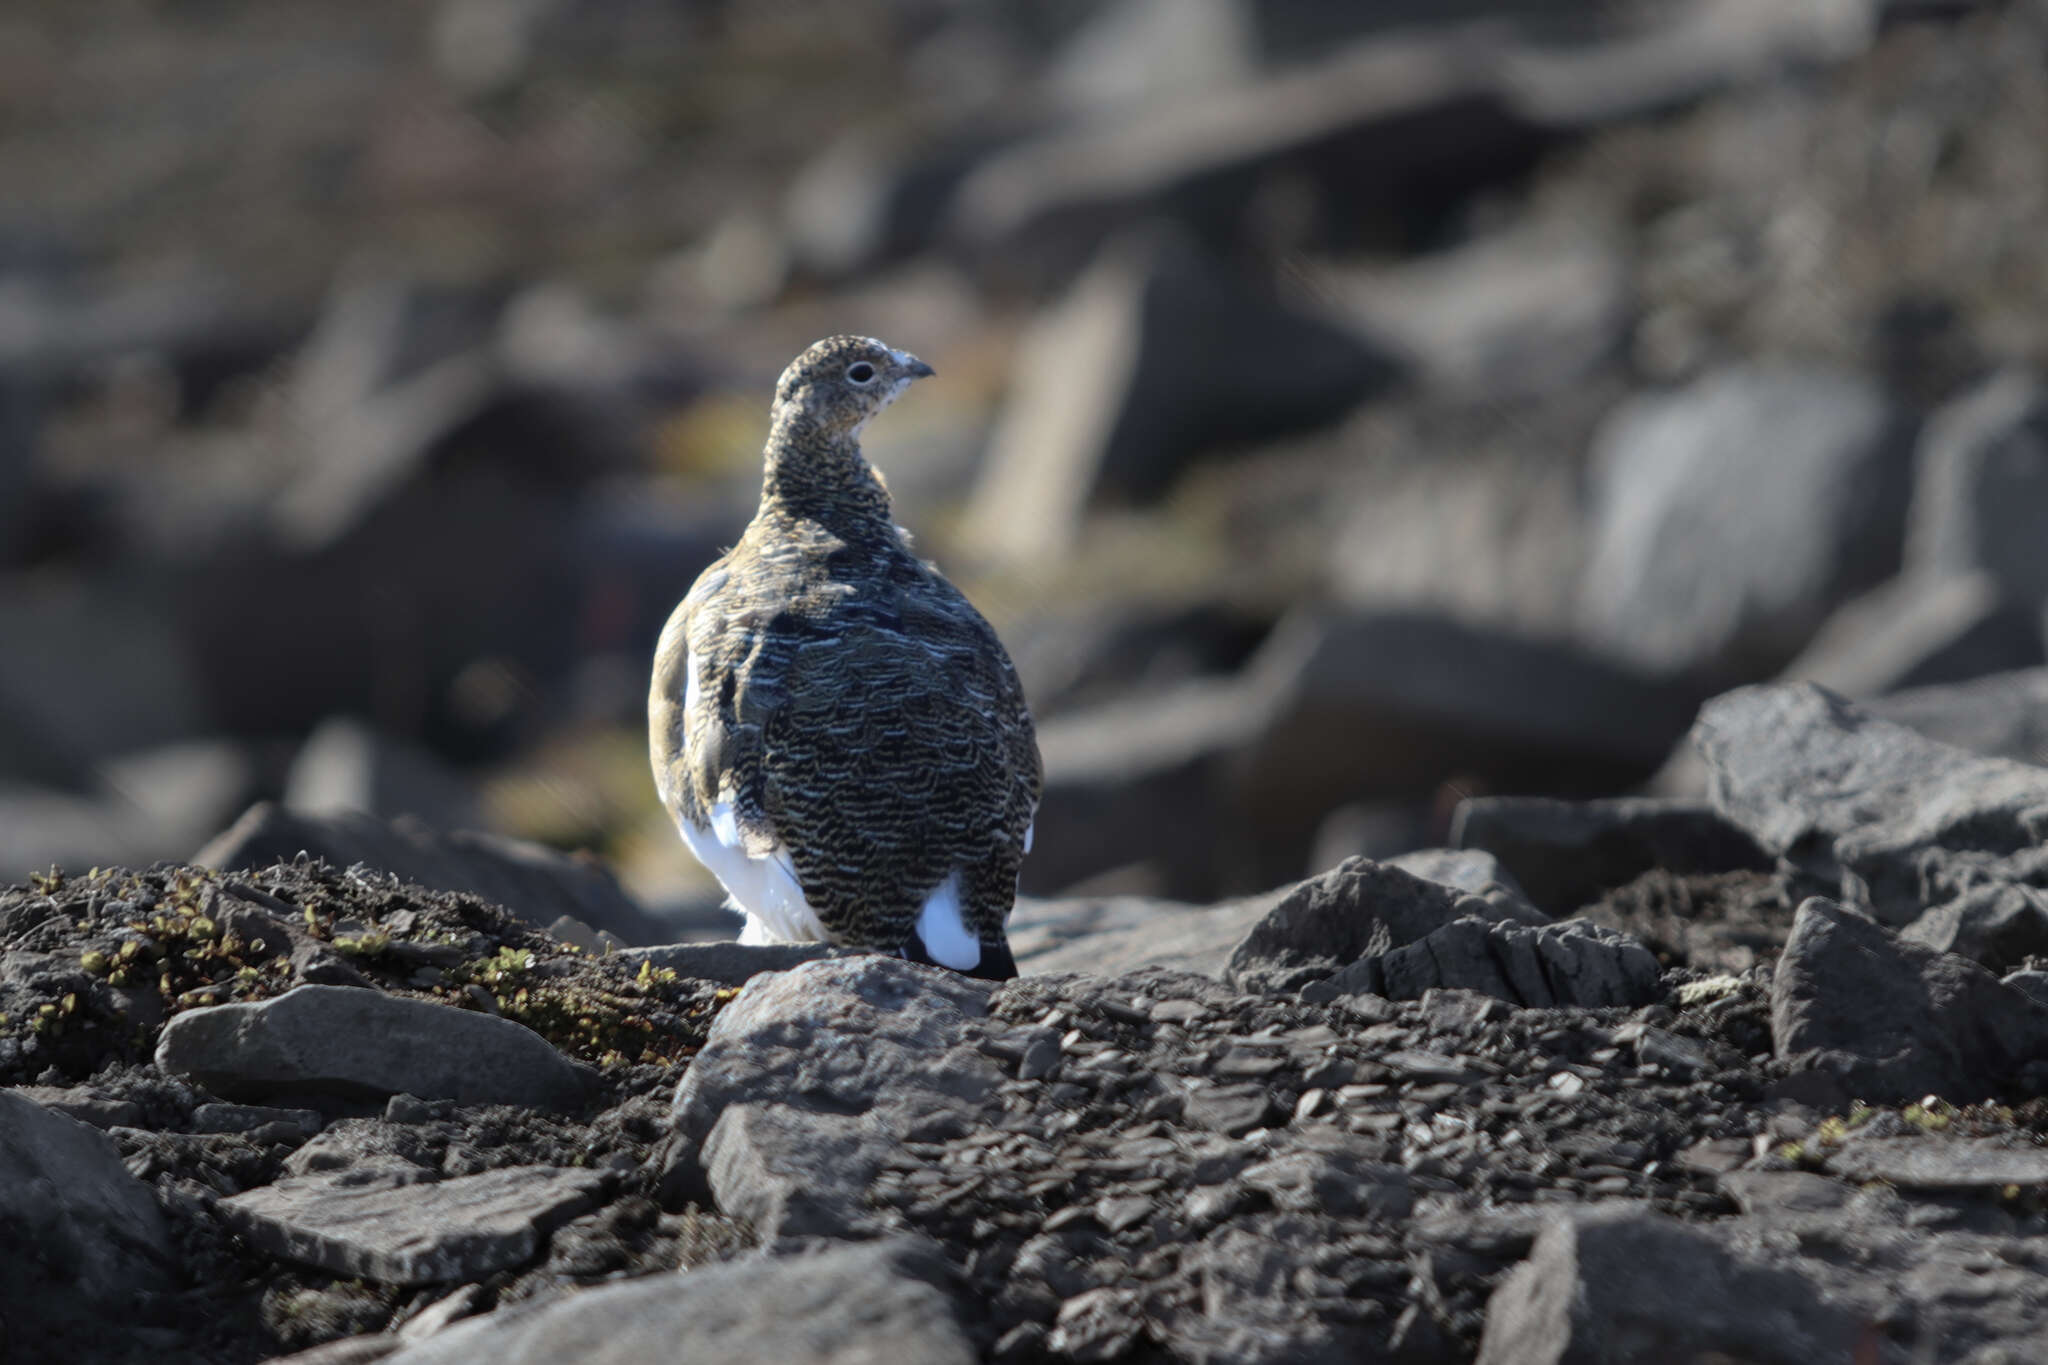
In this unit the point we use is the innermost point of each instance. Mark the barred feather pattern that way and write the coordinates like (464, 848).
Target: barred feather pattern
(857, 713)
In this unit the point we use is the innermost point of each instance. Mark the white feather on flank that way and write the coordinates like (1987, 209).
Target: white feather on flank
(943, 931)
(764, 889)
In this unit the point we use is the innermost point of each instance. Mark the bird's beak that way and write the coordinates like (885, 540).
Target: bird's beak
(913, 367)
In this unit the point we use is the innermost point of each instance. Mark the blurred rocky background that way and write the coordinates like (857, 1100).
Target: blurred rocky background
(1344, 411)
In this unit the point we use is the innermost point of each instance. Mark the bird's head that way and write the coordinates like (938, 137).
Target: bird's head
(840, 383)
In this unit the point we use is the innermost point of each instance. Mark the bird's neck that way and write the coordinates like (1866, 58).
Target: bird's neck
(814, 473)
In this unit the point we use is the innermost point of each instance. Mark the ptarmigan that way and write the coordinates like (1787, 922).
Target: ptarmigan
(837, 732)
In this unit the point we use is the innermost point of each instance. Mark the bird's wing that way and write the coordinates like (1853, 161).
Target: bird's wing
(886, 724)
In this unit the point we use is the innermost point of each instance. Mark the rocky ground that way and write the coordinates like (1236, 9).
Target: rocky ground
(1776, 1090)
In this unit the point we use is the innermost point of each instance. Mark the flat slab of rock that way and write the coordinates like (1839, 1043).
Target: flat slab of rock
(1626, 1284)
(1938, 1163)
(875, 1304)
(364, 1044)
(1121, 934)
(84, 1235)
(1894, 1021)
(461, 1229)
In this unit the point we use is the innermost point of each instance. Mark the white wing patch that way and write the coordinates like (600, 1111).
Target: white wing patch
(765, 890)
(943, 932)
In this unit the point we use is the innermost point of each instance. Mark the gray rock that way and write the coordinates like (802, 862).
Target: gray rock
(1936, 1162)
(1475, 872)
(731, 964)
(1374, 130)
(1870, 808)
(1917, 630)
(534, 882)
(1339, 1176)
(1119, 935)
(341, 1042)
(862, 1305)
(1355, 705)
(1623, 1284)
(1894, 1021)
(84, 1235)
(345, 767)
(1572, 963)
(1565, 854)
(1730, 517)
(85, 1104)
(420, 1233)
(809, 1079)
(2002, 716)
(1357, 909)
(1121, 386)
(1525, 312)
(1221, 784)
(2000, 925)
(1981, 498)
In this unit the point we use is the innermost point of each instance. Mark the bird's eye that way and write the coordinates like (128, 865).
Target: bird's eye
(860, 372)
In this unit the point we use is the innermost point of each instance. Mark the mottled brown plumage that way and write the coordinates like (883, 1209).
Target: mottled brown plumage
(827, 707)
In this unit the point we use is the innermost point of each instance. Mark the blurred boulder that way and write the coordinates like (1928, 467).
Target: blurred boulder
(90, 669)
(1565, 854)
(1981, 500)
(2004, 715)
(1094, 654)
(418, 568)
(1729, 517)
(1134, 52)
(345, 765)
(1222, 783)
(1157, 354)
(1378, 142)
(1524, 312)
(535, 883)
(1921, 628)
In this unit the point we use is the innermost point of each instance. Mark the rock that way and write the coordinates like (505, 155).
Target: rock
(345, 767)
(1136, 52)
(1931, 1162)
(1894, 1021)
(1731, 516)
(1917, 630)
(1622, 1284)
(1086, 656)
(85, 1104)
(1355, 705)
(2000, 926)
(1476, 873)
(2002, 716)
(534, 882)
(1525, 312)
(1381, 139)
(732, 964)
(1121, 386)
(1119, 935)
(1326, 923)
(1981, 497)
(66, 710)
(1221, 784)
(1565, 854)
(1338, 1176)
(424, 1233)
(1572, 963)
(340, 1042)
(807, 1080)
(1870, 809)
(1143, 781)
(86, 1236)
(849, 1306)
